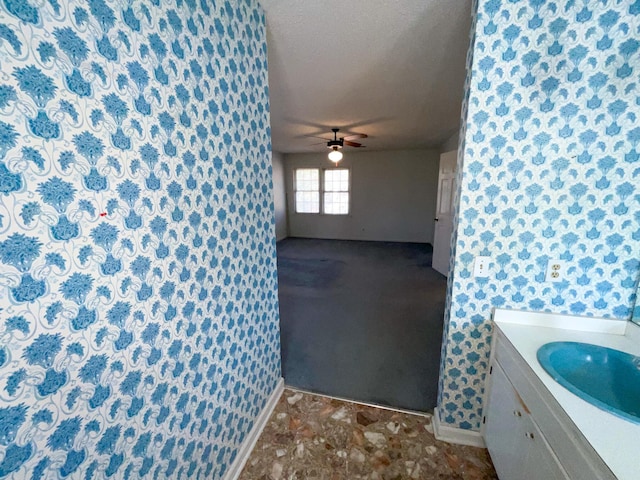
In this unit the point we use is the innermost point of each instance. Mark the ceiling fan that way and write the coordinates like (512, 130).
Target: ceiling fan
(337, 143)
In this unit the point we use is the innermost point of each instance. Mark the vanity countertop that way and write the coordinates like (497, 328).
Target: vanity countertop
(613, 438)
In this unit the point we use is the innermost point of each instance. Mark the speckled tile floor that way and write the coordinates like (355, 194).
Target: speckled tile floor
(314, 437)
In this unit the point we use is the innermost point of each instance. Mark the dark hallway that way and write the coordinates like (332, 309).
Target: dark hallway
(361, 320)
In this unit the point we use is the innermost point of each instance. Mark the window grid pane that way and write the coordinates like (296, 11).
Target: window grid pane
(307, 202)
(336, 180)
(336, 203)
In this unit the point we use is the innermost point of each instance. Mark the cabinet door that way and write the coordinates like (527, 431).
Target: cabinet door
(504, 431)
(540, 462)
(518, 449)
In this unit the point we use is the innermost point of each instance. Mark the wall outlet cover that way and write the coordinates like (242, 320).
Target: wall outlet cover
(556, 271)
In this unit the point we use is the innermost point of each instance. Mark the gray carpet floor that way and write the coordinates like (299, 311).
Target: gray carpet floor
(361, 320)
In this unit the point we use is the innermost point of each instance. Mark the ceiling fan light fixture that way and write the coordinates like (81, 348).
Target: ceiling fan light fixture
(335, 155)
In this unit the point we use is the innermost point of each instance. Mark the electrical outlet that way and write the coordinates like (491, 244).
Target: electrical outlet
(556, 271)
(481, 267)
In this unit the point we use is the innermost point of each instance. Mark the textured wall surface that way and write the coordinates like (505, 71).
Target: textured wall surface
(550, 170)
(138, 323)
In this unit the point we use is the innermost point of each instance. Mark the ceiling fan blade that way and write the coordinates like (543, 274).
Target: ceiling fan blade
(356, 135)
(353, 144)
(317, 136)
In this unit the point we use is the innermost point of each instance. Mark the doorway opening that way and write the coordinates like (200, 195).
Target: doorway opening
(361, 320)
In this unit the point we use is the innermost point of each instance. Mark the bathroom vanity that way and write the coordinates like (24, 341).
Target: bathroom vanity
(535, 428)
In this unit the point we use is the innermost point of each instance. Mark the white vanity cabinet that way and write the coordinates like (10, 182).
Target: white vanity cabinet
(527, 433)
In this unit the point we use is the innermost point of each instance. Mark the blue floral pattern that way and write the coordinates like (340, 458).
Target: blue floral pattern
(138, 292)
(549, 168)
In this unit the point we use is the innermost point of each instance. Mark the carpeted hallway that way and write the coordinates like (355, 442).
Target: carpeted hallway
(361, 320)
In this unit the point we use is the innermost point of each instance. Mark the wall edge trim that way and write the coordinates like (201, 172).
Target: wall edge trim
(250, 442)
(458, 436)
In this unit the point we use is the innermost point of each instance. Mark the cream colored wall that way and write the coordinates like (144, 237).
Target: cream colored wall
(393, 197)
(451, 143)
(279, 195)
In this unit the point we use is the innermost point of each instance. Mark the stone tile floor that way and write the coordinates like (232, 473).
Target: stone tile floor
(314, 437)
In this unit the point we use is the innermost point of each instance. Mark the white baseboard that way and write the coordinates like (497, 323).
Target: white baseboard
(455, 435)
(250, 441)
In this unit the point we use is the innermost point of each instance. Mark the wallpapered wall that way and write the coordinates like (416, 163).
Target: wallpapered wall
(550, 170)
(139, 329)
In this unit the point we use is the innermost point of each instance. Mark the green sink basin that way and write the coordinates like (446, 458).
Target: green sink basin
(606, 378)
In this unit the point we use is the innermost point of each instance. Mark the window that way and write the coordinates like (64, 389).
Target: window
(335, 191)
(307, 190)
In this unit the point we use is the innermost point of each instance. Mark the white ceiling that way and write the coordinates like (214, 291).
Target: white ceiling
(393, 69)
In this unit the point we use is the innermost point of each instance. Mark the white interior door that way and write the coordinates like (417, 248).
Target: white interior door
(444, 212)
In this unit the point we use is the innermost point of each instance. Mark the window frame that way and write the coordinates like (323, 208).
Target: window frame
(295, 190)
(321, 191)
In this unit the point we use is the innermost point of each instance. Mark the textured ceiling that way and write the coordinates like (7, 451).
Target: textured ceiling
(393, 69)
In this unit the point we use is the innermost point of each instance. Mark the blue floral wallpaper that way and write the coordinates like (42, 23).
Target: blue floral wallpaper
(138, 290)
(549, 168)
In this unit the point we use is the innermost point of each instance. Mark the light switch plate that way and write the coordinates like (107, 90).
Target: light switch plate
(481, 267)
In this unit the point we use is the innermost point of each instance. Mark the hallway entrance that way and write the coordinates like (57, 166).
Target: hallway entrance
(361, 320)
